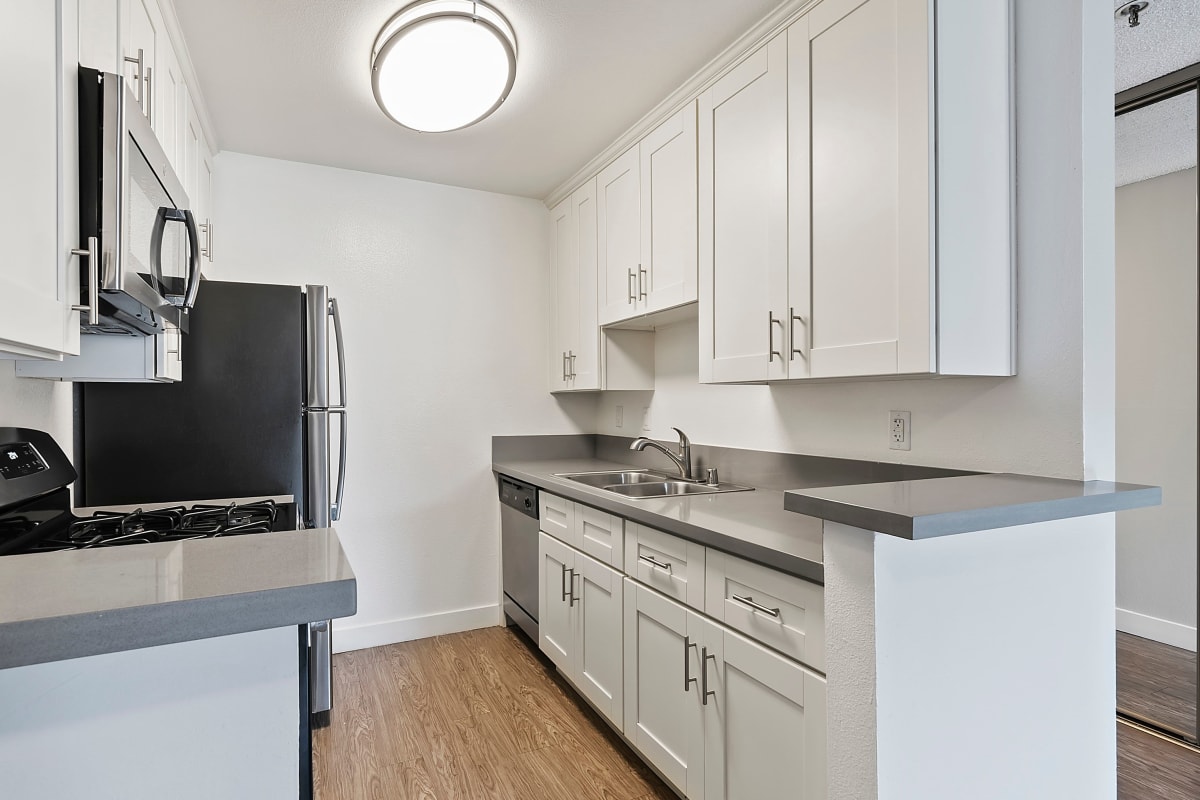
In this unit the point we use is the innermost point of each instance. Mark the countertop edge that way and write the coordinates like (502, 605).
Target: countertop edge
(39, 641)
(793, 565)
(933, 525)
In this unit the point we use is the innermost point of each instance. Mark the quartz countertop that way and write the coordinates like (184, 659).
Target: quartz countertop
(74, 603)
(753, 525)
(942, 506)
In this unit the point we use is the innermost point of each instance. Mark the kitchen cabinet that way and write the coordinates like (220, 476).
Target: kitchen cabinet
(719, 715)
(647, 223)
(743, 218)
(582, 356)
(197, 177)
(39, 276)
(580, 628)
(143, 40)
(575, 335)
(116, 359)
(764, 723)
(854, 227)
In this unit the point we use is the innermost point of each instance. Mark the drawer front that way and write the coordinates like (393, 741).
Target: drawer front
(600, 535)
(556, 516)
(781, 611)
(672, 565)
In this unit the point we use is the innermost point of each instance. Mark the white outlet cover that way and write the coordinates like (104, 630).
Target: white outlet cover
(646, 419)
(900, 430)
(620, 416)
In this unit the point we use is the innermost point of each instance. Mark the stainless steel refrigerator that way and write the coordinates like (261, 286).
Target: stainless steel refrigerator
(254, 416)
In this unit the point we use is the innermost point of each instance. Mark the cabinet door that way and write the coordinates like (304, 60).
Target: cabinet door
(669, 208)
(743, 217)
(618, 232)
(663, 711)
(38, 202)
(556, 609)
(172, 106)
(598, 664)
(764, 728)
(143, 32)
(584, 351)
(870, 151)
(564, 291)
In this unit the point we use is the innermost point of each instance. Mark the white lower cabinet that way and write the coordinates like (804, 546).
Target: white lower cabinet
(580, 627)
(720, 716)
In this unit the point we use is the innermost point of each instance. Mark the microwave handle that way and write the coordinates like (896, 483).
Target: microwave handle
(193, 284)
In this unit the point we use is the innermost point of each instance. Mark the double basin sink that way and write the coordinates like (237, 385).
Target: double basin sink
(638, 484)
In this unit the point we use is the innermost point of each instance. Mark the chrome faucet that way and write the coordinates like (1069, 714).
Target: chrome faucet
(682, 459)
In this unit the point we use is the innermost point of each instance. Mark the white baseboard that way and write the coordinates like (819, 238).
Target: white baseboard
(377, 634)
(1175, 634)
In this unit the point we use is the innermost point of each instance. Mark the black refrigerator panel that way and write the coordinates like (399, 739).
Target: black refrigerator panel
(232, 428)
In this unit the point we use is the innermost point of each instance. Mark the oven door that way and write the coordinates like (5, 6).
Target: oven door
(149, 271)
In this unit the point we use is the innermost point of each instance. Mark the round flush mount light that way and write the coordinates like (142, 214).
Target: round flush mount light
(442, 65)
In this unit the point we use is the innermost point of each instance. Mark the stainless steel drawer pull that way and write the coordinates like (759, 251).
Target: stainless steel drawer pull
(705, 657)
(632, 298)
(665, 566)
(564, 365)
(564, 581)
(571, 358)
(574, 575)
(688, 680)
(749, 601)
(141, 91)
(641, 282)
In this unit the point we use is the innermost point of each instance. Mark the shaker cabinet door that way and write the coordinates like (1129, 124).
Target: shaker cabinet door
(669, 208)
(743, 219)
(869, 144)
(598, 623)
(618, 231)
(556, 630)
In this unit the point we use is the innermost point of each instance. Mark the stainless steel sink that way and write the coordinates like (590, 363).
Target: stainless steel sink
(638, 484)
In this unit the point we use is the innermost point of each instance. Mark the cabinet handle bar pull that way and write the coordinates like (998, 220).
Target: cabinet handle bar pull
(571, 583)
(92, 254)
(641, 283)
(705, 657)
(688, 680)
(771, 351)
(796, 351)
(665, 566)
(564, 581)
(749, 601)
(629, 286)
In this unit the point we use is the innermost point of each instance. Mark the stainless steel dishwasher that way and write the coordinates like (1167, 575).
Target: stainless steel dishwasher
(519, 553)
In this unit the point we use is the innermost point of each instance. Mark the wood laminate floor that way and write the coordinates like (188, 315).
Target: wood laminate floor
(476, 715)
(466, 717)
(1157, 683)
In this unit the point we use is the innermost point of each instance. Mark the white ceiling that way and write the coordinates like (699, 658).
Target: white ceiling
(1156, 140)
(1167, 39)
(290, 79)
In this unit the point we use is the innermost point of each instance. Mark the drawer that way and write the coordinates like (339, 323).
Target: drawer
(600, 535)
(781, 611)
(672, 565)
(556, 517)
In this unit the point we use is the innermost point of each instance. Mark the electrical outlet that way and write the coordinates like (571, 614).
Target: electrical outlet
(620, 416)
(646, 419)
(900, 430)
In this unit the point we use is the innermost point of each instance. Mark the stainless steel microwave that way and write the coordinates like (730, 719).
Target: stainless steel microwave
(140, 238)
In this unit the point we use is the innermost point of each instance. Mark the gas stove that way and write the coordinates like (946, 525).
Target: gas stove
(36, 516)
(112, 528)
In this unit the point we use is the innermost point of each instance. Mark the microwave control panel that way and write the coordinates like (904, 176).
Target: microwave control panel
(20, 459)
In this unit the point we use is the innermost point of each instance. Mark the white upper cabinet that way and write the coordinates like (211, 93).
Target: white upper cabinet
(143, 36)
(575, 335)
(668, 224)
(646, 223)
(618, 229)
(901, 189)
(39, 202)
(743, 218)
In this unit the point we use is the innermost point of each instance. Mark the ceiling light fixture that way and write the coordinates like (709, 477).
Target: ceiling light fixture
(442, 65)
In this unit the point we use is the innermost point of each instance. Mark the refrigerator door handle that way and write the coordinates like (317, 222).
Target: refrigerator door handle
(341, 354)
(335, 511)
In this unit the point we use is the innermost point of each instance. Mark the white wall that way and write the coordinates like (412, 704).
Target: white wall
(444, 295)
(1156, 405)
(1031, 423)
(43, 405)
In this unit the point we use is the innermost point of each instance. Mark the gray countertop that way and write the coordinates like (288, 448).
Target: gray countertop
(942, 506)
(56, 606)
(753, 525)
